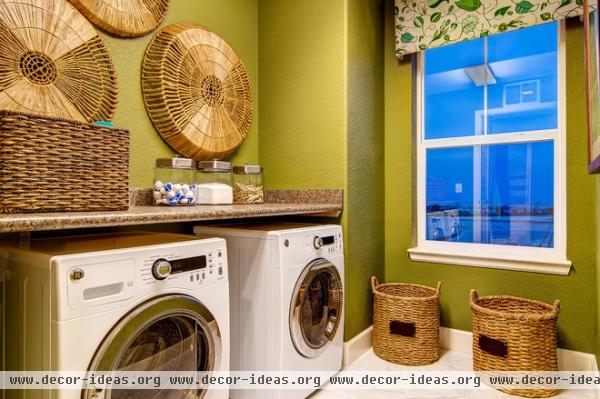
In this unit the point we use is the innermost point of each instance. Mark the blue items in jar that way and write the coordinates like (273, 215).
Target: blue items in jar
(174, 182)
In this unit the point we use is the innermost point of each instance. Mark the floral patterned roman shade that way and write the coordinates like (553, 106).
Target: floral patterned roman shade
(423, 24)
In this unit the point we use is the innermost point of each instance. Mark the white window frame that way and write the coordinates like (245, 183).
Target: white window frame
(521, 258)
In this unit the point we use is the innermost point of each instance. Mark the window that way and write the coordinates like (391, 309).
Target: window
(491, 152)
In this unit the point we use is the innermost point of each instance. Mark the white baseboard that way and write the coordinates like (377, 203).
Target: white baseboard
(357, 346)
(456, 340)
(462, 341)
(576, 361)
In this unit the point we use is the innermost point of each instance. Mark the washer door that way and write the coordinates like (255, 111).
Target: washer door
(316, 308)
(167, 333)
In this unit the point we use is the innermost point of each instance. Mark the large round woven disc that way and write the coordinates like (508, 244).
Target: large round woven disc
(197, 92)
(126, 18)
(53, 63)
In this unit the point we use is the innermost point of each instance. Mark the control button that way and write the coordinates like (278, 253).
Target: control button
(197, 277)
(286, 243)
(161, 269)
(220, 270)
(191, 277)
(203, 276)
(317, 242)
(219, 254)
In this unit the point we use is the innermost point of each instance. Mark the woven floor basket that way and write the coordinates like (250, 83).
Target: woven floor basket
(515, 334)
(56, 165)
(406, 323)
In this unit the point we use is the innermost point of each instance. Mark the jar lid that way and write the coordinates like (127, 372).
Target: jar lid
(214, 166)
(248, 169)
(175, 162)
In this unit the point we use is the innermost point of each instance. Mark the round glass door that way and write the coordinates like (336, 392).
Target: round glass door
(316, 308)
(169, 333)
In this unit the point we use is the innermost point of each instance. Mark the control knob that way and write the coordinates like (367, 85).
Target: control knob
(161, 269)
(317, 242)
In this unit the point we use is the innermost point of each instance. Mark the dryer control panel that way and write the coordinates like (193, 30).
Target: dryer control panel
(324, 242)
(302, 245)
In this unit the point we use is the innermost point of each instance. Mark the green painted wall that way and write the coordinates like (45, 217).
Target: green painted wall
(302, 71)
(365, 190)
(577, 292)
(321, 120)
(237, 22)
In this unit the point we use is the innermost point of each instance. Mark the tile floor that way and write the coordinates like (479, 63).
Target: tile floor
(449, 361)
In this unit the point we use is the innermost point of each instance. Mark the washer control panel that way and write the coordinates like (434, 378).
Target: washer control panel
(182, 270)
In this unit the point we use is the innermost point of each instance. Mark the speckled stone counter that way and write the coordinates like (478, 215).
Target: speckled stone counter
(143, 196)
(304, 196)
(281, 203)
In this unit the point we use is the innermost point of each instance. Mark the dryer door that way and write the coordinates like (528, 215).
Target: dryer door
(316, 308)
(167, 333)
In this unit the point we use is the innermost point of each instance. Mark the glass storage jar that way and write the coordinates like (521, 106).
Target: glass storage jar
(248, 184)
(174, 182)
(214, 183)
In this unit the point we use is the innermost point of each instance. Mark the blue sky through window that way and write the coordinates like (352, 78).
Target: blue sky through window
(502, 193)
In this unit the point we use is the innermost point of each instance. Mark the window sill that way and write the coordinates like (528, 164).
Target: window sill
(546, 266)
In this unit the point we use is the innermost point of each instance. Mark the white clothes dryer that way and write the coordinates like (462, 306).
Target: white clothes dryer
(286, 294)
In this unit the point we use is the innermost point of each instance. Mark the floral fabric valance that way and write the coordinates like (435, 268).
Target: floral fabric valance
(423, 24)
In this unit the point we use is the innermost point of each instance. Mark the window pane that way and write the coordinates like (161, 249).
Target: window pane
(500, 194)
(524, 66)
(453, 103)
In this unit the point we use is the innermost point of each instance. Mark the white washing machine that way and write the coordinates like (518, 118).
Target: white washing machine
(130, 301)
(286, 286)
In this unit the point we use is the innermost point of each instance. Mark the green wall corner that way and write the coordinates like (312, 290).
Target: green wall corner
(321, 121)
(365, 188)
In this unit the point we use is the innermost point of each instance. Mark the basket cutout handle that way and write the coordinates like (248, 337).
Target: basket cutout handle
(493, 346)
(402, 328)
(374, 283)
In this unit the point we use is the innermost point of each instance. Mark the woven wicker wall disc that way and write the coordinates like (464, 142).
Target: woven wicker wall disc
(125, 18)
(53, 63)
(197, 92)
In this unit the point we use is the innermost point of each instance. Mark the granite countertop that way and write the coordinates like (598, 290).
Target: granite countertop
(278, 203)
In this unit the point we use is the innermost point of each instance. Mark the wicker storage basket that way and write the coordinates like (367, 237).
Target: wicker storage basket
(55, 165)
(406, 323)
(515, 334)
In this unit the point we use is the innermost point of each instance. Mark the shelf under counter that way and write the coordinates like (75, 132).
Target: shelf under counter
(328, 203)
